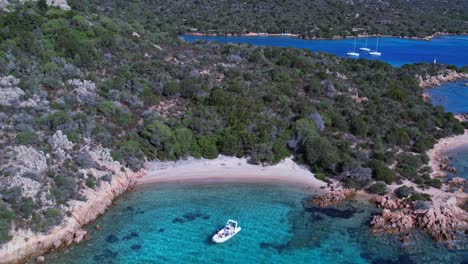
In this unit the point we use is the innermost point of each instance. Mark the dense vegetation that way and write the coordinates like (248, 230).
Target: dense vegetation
(148, 95)
(317, 18)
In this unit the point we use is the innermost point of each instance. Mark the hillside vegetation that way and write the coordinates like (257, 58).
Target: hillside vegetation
(75, 85)
(310, 18)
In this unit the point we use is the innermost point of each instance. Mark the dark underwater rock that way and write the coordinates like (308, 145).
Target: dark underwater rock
(112, 238)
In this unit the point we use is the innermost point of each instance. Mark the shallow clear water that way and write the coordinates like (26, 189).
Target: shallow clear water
(172, 223)
(396, 51)
(453, 96)
(459, 160)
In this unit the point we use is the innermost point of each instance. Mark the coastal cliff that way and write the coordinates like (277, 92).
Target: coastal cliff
(27, 244)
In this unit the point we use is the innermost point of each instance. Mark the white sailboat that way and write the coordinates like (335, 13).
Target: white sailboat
(366, 49)
(376, 52)
(353, 53)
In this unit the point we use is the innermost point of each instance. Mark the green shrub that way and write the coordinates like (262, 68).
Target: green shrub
(404, 191)
(106, 108)
(436, 183)
(381, 172)
(419, 197)
(208, 147)
(90, 182)
(26, 138)
(57, 119)
(6, 218)
(378, 188)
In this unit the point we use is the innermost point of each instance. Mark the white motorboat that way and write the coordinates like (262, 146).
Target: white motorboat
(231, 229)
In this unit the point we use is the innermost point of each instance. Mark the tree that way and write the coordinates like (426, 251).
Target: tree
(159, 134)
(319, 151)
(42, 5)
(208, 147)
(358, 126)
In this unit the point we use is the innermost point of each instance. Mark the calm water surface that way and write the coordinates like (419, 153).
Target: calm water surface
(396, 51)
(173, 224)
(453, 96)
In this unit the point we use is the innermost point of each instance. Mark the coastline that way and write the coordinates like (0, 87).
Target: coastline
(291, 35)
(441, 78)
(27, 244)
(437, 154)
(228, 169)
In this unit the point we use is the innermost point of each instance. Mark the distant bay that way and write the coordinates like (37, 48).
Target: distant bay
(451, 49)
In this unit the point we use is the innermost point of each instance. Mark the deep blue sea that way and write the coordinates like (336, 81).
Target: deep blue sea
(396, 51)
(453, 96)
(173, 223)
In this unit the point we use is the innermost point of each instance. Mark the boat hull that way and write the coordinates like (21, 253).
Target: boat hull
(218, 240)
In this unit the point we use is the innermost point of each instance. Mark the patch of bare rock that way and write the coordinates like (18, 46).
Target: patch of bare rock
(334, 197)
(443, 222)
(447, 76)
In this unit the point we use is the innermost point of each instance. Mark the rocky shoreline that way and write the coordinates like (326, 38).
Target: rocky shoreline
(443, 77)
(291, 35)
(443, 222)
(26, 244)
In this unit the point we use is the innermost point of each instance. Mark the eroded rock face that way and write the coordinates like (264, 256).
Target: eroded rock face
(387, 203)
(61, 145)
(332, 198)
(26, 243)
(85, 90)
(10, 93)
(444, 222)
(441, 222)
(392, 222)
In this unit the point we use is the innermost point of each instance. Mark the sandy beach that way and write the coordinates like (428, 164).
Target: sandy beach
(437, 154)
(228, 169)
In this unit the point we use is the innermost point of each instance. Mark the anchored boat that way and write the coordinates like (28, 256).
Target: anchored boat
(376, 53)
(230, 230)
(353, 53)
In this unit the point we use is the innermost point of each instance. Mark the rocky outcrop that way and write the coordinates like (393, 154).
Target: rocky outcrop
(333, 197)
(457, 182)
(58, 3)
(85, 90)
(387, 203)
(447, 76)
(10, 93)
(27, 244)
(442, 163)
(392, 222)
(442, 222)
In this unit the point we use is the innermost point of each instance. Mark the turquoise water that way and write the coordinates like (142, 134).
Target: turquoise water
(396, 51)
(453, 96)
(459, 160)
(173, 223)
